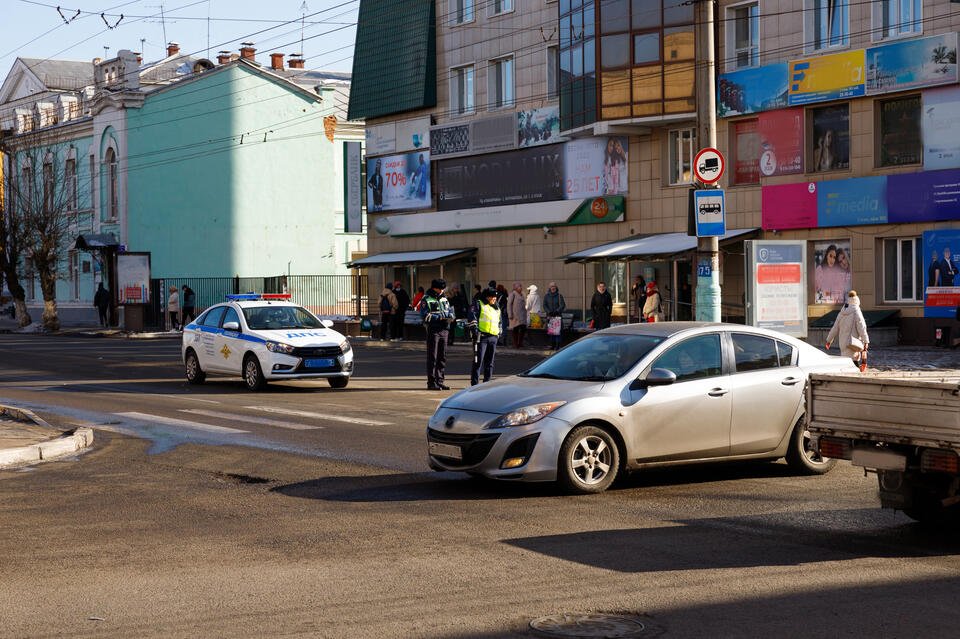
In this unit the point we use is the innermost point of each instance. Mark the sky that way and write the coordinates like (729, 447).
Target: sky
(36, 29)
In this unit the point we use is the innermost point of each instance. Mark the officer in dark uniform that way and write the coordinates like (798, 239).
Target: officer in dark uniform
(437, 315)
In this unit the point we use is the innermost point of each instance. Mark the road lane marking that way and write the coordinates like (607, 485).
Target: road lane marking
(333, 418)
(265, 421)
(192, 399)
(170, 421)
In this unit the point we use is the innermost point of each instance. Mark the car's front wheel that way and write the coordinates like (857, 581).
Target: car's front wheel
(253, 374)
(338, 382)
(801, 455)
(589, 460)
(195, 374)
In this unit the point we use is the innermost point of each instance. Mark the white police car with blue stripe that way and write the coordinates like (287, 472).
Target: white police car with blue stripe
(265, 338)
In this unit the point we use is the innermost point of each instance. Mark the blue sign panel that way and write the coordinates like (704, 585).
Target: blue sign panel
(709, 211)
(752, 90)
(941, 276)
(852, 202)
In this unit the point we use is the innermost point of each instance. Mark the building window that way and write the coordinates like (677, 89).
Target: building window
(827, 23)
(26, 191)
(746, 152)
(48, 187)
(500, 83)
(70, 174)
(902, 270)
(830, 138)
(113, 199)
(895, 18)
(500, 6)
(553, 72)
(682, 148)
(462, 11)
(578, 64)
(461, 90)
(899, 141)
(93, 174)
(73, 266)
(743, 36)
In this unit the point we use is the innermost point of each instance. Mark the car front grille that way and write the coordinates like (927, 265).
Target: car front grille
(475, 447)
(316, 351)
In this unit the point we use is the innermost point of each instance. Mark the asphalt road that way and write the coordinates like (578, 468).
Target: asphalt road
(327, 523)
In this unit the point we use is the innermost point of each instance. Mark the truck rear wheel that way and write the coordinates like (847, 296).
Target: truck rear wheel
(801, 455)
(928, 509)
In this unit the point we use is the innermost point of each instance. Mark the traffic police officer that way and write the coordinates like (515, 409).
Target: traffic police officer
(437, 316)
(485, 322)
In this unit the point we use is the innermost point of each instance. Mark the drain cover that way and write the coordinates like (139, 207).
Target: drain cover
(590, 625)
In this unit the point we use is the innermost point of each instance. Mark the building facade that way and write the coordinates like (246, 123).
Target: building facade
(215, 170)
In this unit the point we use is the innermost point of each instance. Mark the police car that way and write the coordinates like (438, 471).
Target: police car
(265, 338)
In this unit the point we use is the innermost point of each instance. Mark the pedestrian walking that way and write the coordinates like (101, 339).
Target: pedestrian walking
(189, 305)
(173, 308)
(517, 313)
(484, 325)
(850, 331)
(639, 292)
(403, 303)
(437, 315)
(652, 306)
(101, 299)
(554, 305)
(388, 306)
(601, 305)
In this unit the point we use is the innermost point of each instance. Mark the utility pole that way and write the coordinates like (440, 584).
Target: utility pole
(708, 248)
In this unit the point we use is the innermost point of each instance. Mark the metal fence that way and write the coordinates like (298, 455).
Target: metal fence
(343, 296)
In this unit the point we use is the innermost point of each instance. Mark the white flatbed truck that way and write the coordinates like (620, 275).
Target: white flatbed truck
(902, 425)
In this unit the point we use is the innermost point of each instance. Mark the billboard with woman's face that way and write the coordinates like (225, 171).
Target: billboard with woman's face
(832, 271)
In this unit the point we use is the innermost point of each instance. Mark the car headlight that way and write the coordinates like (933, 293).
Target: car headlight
(277, 347)
(345, 347)
(525, 415)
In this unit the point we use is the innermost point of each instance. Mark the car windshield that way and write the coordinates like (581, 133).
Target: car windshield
(597, 358)
(268, 318)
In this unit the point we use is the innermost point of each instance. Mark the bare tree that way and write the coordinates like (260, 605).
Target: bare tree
(11, 241)
(42, 190)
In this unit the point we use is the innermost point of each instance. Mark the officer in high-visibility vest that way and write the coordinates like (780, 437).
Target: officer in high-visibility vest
(484, 320)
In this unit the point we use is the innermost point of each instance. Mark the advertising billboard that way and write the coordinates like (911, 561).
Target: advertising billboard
(776, 285)
(788, 206)
(752, 90)
(594, 167)
(133, 278)
(781, 142)
(352, 188)
(928, 196)
(910, 64)
(538, 126)
(941, 277)
(941, 128)
(852, 202)
(828, 77)
(832, 271)
(399, 182)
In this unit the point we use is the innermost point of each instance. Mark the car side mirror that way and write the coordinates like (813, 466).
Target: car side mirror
(232, 326)
(327, 323)
(656, 377)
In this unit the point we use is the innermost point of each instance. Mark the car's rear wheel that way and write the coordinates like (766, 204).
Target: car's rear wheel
(338, 382)
(801, 455)
(589, 460)
(253, 374)
(195, 374)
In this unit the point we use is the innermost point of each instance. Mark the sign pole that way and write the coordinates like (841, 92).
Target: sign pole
(708, 248)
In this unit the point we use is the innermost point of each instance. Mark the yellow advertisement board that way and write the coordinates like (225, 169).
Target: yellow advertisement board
(828, 77)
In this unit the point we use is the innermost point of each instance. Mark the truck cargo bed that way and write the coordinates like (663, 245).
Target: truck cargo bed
(904, 407)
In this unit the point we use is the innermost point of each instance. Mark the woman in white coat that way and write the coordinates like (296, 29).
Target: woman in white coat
(534, 305)
(652, 310)
(850, 329)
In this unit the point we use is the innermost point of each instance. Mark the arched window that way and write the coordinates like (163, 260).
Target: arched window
(112, 185)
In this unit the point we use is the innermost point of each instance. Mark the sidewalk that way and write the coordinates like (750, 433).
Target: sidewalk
(26, 439)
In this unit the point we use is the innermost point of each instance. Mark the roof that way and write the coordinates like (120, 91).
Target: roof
(61, 74)
(646, 246)
(332, 86)
(412, 257)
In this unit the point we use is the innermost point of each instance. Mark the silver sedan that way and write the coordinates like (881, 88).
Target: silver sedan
(632, 397)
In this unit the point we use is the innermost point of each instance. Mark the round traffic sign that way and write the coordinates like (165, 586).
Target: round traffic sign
(708, 165)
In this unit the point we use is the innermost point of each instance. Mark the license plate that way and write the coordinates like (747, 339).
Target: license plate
(445, 450)
(879, 459)
(318, 363)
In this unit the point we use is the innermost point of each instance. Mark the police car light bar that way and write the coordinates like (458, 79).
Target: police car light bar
(252, 297)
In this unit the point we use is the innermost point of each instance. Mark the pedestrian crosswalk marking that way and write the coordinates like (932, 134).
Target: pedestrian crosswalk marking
(265, 421)
(333, 418)
(170, 421)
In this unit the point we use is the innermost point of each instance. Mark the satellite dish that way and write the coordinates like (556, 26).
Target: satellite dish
(202, 65)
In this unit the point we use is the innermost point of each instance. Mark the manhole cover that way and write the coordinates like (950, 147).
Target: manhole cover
(589, 625)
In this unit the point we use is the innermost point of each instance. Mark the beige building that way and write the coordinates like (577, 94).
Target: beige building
(556, 128)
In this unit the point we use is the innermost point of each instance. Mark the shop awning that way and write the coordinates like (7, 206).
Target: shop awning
(413, 258)
(647, 247)
(94, 241)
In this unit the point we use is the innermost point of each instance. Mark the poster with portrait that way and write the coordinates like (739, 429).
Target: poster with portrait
(399, 182)
(830, 144)
(832, 271)
(595, 166)
(941, 274)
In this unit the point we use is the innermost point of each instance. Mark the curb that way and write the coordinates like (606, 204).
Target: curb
(68, 443)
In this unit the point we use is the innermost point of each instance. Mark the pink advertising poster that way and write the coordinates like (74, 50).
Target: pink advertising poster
(789, 206)
(781, 142)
